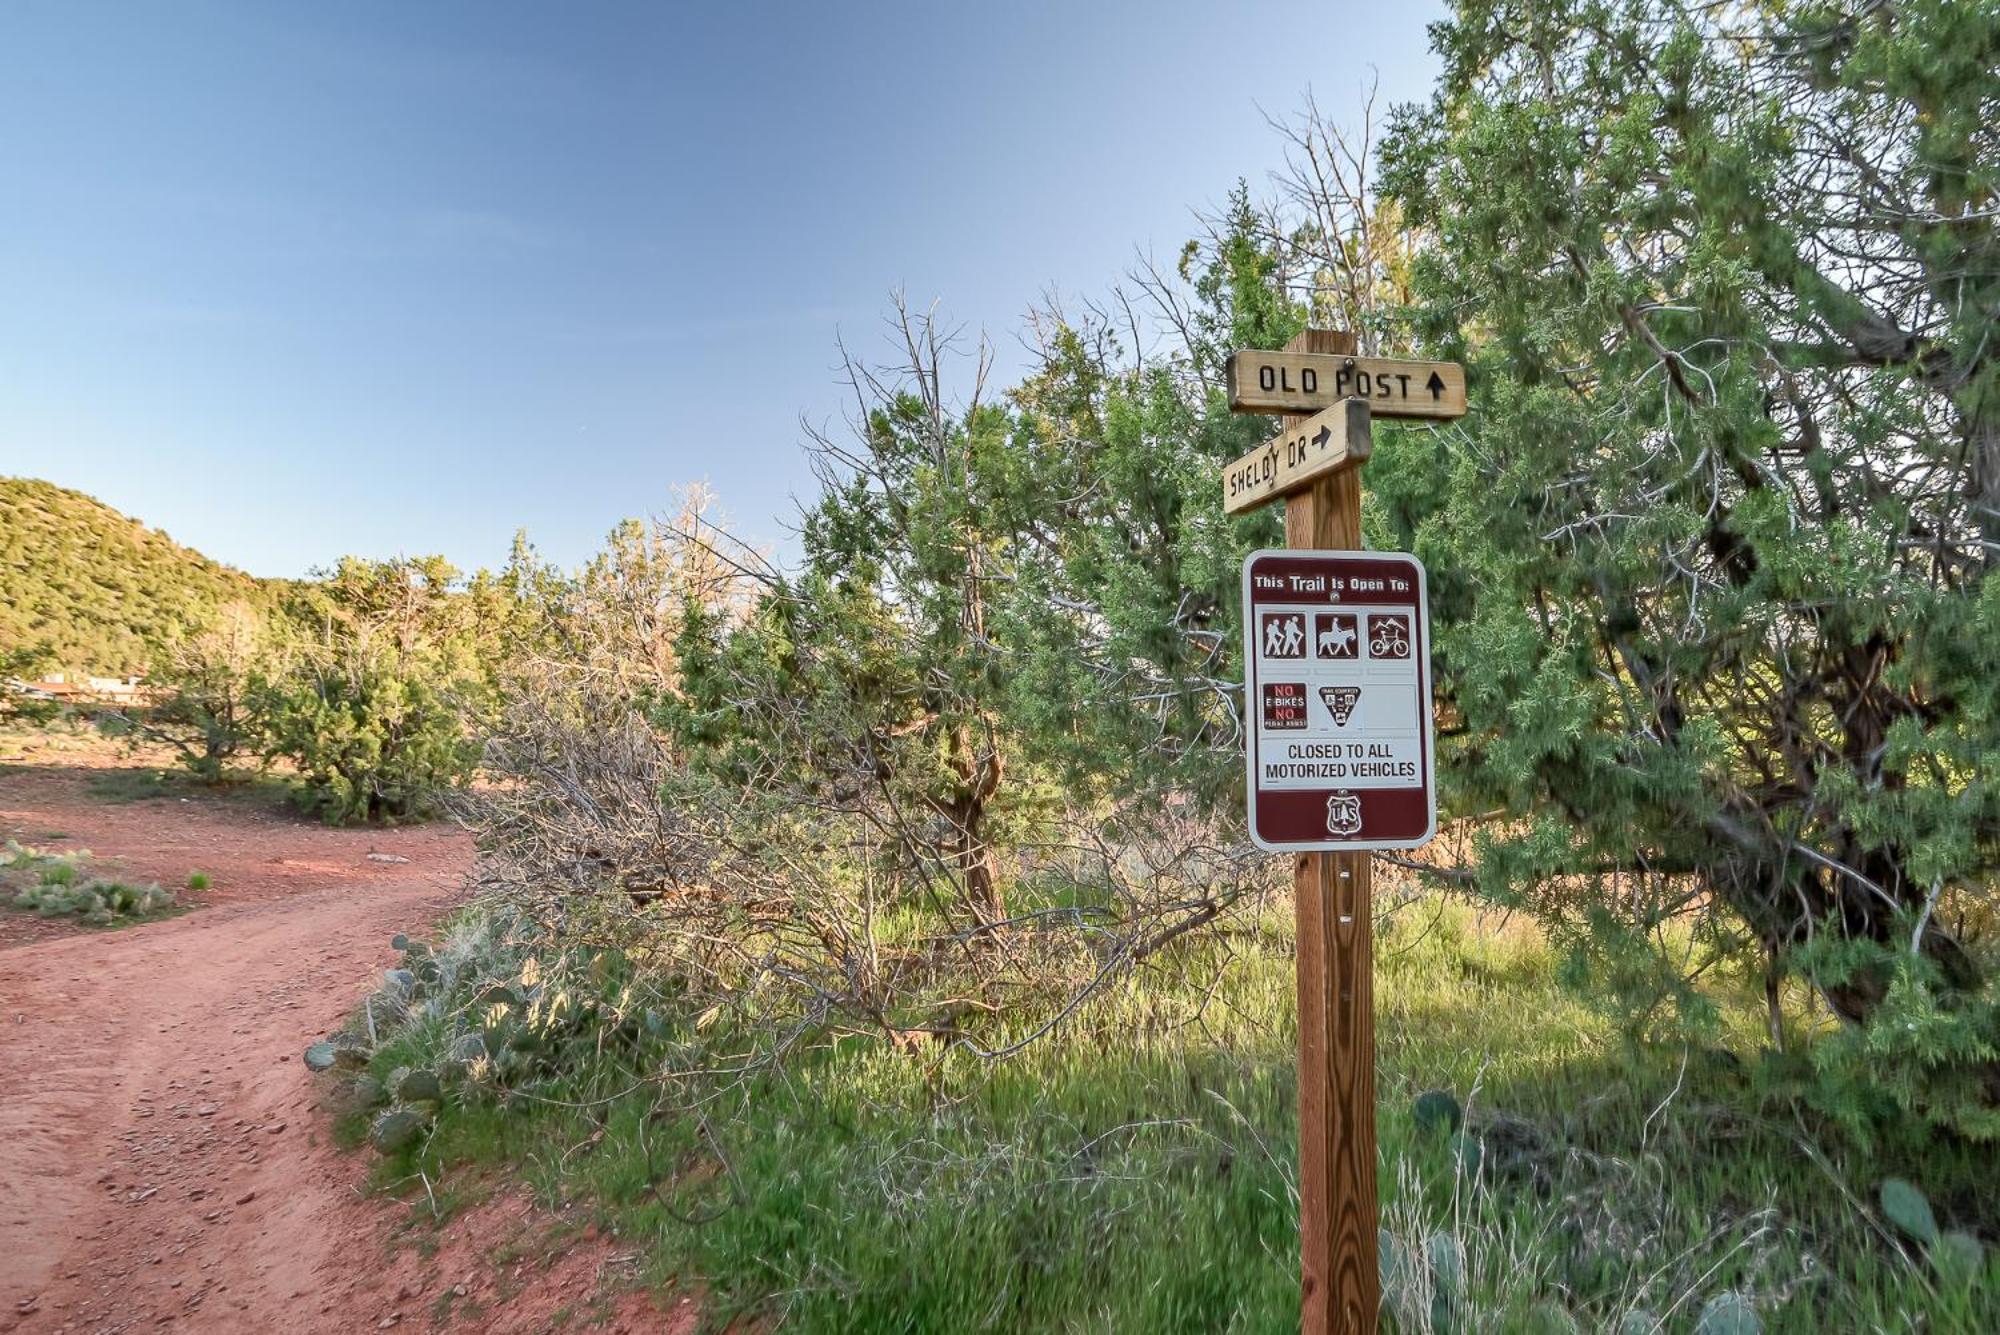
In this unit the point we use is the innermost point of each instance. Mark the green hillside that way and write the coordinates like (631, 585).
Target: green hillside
(92, 585)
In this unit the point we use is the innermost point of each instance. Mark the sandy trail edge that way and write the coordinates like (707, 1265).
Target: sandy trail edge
(159, 1151)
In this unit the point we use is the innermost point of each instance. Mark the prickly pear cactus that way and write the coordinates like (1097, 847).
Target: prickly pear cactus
(1552, 1318)
(1728, 1314)
(418, 1085)
(501, 994)
(465, 1052)
(395, 1128)
(1436, 1110)
(1958, 1254)
(349, 1051)
(1394, 1268)
(1909, 1210)
(1447, 1262)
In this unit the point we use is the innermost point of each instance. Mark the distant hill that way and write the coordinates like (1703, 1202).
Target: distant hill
(93, 585)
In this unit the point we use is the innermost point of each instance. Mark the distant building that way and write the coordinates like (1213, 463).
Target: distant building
(122, 689)
(90, 690)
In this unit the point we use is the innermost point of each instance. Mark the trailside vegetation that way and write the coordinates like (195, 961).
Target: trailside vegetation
(54, 885)
(875, 937)
(370, 682)
(1713, 555)
(210, 686)
(383, 682)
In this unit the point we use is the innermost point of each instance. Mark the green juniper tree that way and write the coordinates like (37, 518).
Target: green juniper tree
(388, 663)
(871, 680)
(1123, 612)
(901, 533)
(211, 681)
(1710, 558)
(21, 663)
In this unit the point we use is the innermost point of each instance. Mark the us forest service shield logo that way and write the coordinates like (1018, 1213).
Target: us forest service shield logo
(1343, 813)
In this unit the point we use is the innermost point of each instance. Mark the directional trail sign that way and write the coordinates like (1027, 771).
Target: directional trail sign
(1323, 442)
(1337, 655)
(1305, 382)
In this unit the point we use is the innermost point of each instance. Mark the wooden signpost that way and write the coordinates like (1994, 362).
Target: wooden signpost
(1314, 465)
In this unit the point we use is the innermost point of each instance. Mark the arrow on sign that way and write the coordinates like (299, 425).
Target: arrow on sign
(1435, 385)
(1320, 440)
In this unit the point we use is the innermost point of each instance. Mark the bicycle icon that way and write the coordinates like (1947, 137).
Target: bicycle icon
(1388, 636)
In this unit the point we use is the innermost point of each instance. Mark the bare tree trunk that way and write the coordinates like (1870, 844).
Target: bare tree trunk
(971, 852)
(975, 861)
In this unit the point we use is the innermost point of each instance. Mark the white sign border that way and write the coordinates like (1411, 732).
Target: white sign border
(1252, 705)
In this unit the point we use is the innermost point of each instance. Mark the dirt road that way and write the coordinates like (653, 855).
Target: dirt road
(164, 1163)
(158, 1133)
(159, 1147)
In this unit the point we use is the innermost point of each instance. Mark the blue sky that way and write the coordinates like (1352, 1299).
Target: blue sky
(294, 280)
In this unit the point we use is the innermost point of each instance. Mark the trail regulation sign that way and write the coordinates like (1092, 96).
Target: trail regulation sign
(1338, 700)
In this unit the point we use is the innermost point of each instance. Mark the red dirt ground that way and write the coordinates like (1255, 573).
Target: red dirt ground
(165, 1159)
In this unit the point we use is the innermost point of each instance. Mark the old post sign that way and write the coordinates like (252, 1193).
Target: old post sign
(1305, 382)
(1337, 669)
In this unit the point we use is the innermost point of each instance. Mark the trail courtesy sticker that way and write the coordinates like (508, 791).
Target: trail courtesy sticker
(1338, 700)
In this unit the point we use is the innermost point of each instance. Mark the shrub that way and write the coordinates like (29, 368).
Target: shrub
(1713, 623)
(211, 707)
(385, 670)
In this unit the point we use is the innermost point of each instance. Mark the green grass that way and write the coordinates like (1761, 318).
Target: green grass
(198, 880)
(136, 784)
(159, 784)
(1135, 1171)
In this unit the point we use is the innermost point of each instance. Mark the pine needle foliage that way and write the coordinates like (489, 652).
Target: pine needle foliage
(1711, 557)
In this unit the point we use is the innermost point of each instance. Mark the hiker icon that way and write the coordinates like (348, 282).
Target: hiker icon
(1284, 634)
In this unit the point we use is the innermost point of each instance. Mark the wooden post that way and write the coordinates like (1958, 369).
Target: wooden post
(1342, 1287)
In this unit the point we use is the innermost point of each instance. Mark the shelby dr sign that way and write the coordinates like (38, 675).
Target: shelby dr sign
(1323, 443)
(1337, 673)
